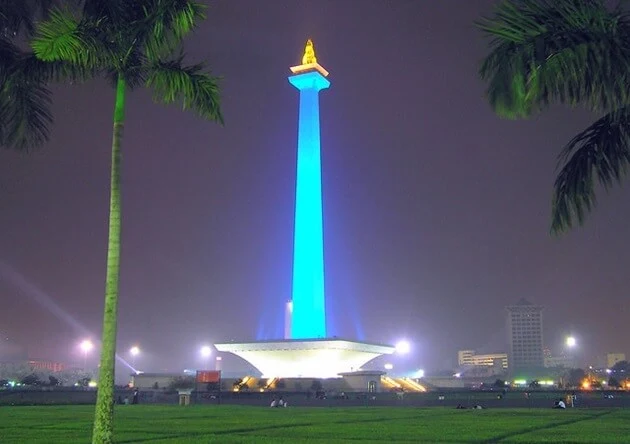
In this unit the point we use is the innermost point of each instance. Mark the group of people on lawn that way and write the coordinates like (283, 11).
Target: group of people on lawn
(278, 403)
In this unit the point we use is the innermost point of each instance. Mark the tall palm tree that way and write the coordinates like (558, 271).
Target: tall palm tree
(25, 117)
(133, 43)
(574, 52)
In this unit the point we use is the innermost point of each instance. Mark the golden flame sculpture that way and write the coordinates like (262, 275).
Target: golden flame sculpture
(309, 61)
(309, 53)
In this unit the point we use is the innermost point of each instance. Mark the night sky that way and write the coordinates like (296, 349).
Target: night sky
(436, 212)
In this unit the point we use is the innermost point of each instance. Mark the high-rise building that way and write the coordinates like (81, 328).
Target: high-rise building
(525, 335)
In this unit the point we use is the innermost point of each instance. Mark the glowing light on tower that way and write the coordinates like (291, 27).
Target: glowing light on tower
(308, 318)
(288, 314)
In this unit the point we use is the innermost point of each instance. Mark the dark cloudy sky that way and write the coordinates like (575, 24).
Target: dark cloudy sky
(436, 212)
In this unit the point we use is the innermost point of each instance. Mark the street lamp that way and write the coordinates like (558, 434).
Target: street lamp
(571, 342)
(206, 352)
(134, 351)
(86, 346)
(403, 347)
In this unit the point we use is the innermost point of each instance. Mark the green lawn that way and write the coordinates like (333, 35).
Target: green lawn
(225, 424)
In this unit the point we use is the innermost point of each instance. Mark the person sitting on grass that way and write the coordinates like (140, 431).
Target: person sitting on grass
(559, 404)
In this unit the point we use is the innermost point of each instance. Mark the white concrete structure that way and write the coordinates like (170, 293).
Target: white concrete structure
(310, 358)
(364, 381)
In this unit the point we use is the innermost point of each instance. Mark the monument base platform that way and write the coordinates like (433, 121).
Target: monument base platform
(306, 358)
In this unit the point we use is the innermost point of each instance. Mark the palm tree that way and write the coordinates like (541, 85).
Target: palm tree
(24, 97)
(574, 52)
(134, 44)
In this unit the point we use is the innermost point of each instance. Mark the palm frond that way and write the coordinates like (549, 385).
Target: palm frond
(25, 117)
(24, 113)
(8, 55)
(31, 69)
(567, 51)
(65, 38)
(15, 16)
(599, 152)
(24, 99)
(195, 89)
(166, 23)
(112, 10)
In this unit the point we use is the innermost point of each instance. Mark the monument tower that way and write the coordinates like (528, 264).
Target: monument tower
(308, 317)
(306, 351)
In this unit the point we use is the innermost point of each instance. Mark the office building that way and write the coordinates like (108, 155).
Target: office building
(525, 335)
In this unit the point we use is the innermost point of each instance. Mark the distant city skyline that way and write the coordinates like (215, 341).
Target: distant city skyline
(559, 357)
(436, 212)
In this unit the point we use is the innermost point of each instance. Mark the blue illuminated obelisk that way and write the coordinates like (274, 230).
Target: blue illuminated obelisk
(308, 319)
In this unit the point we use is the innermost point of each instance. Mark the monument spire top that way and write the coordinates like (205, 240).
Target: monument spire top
(309, 53)
(309, 61)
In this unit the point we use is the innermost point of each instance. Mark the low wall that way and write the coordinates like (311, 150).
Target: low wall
(533, 399)
(78, 396)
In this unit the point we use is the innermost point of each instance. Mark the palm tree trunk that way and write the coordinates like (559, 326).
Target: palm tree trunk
(104, 415)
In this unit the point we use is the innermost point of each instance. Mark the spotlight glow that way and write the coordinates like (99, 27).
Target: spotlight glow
(206, 351)
(571, 342)
(134, 351)
(86, 346)
(403, 347)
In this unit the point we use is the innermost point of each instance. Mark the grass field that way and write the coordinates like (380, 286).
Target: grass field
(228, 424)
